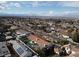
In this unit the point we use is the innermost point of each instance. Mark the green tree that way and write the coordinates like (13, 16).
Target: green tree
(75, 37)
(40, 52)
(62, 42)
(24, 39)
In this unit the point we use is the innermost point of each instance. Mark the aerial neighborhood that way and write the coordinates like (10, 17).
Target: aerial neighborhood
(38, 37)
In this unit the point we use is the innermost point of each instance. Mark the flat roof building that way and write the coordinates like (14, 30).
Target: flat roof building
(22, 49)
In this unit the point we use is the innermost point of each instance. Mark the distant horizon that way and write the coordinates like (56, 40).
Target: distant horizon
(44, 17)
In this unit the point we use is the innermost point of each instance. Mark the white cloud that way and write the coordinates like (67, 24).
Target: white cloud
(69, 12)
(8, 5)
(2, 7)
(17, 4)
(70, 4)
(35, 4)
(2, 2)
(54, 13)
(48, 13)
(39, 3)
(66, 13)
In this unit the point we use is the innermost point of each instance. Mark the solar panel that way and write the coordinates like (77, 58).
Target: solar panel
(20, 51)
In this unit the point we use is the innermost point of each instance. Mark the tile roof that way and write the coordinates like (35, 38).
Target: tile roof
(38, 40)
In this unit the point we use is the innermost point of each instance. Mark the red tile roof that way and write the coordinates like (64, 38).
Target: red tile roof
(38, 40)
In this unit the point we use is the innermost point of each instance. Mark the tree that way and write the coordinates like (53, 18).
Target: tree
(40, 52)
(62, 42)
(75, 36)
(24, 39)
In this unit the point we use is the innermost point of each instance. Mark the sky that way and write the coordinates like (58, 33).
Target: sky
(40, 8)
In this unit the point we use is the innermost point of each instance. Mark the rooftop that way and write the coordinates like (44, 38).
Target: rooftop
(38, 40)
(21, 49)
(4, 50)
(21, 32)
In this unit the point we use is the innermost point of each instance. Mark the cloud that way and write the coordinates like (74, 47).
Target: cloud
(40, 3)
(69, 4)
(49, 13)
(2, 2)
(15, 4)
(11, 7)
(2, 7)
(35, 4)
(46, 13)
(54, 13)
(8, 5)
(66, 13)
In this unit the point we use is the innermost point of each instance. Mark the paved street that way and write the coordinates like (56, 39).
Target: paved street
(75, 52)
